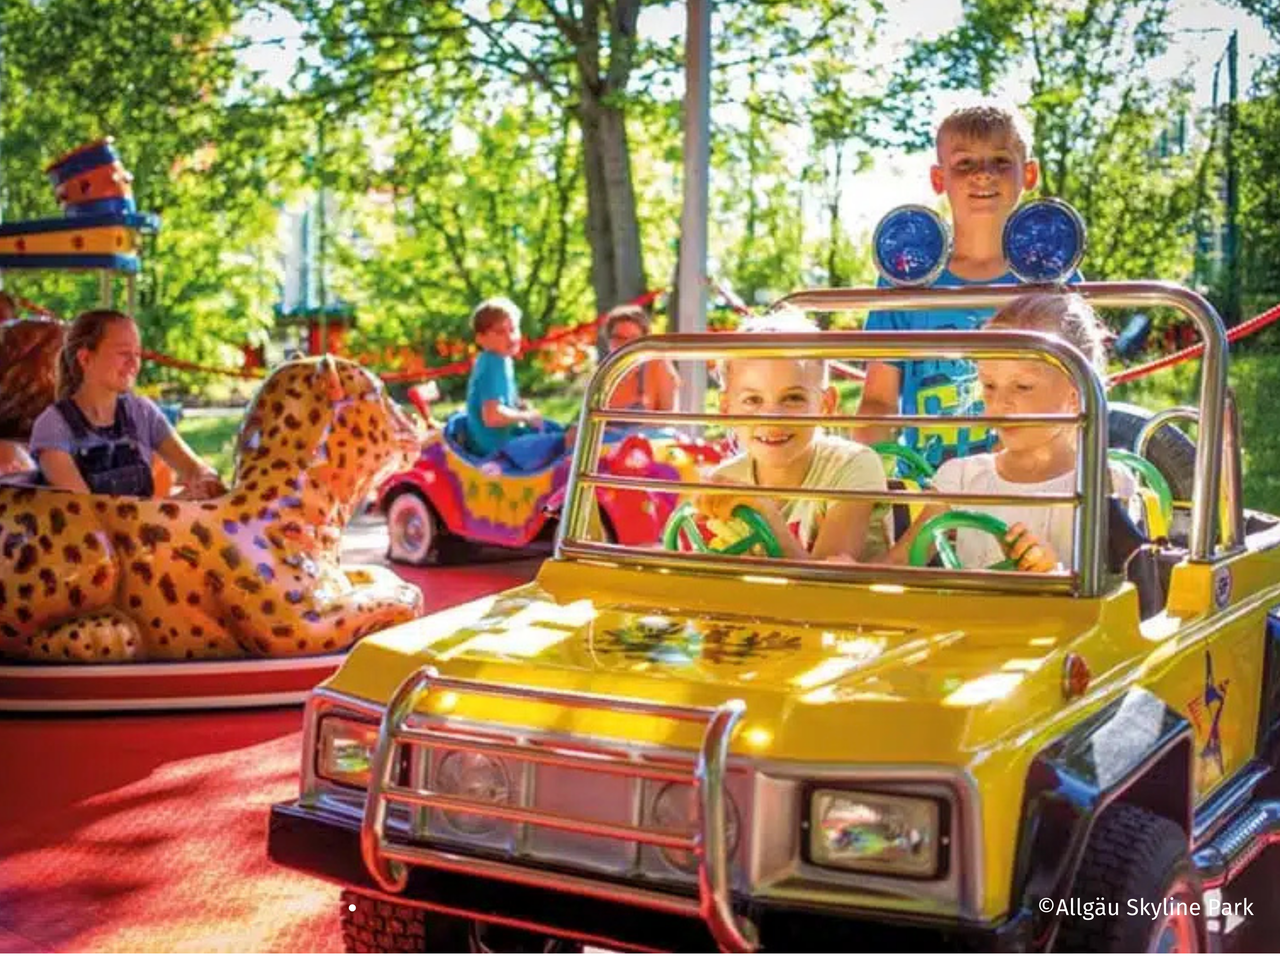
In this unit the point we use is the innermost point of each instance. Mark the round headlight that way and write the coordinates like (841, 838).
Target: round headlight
(475, 777)
(675, 808)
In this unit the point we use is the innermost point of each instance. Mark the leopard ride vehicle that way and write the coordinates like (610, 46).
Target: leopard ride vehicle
(131, 603)
(654, 749)
(451, 500)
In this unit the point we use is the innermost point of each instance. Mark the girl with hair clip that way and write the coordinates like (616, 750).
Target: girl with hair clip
(98, 437)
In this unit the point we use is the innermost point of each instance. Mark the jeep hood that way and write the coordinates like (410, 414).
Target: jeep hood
(828, 672)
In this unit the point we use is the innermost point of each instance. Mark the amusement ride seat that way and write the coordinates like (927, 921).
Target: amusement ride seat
(1146, 564)
(455, 434)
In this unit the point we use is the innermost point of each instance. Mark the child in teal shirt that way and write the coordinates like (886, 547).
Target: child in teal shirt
(983, 167)
(497, 419)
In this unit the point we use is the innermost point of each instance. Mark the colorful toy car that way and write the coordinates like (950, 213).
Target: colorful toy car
(451, 499)
(654, 749)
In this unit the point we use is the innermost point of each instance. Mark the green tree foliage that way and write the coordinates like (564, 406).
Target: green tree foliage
(206, 150)
(819, 96)
(1098, 118)
(462, 228)
(602, 83)
(534, 147)
(1257, 150)
(574, 61)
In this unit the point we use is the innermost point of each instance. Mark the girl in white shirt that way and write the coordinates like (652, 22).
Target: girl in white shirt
(1029, 459)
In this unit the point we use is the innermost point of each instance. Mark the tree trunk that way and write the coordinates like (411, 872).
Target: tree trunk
(613, 231)
(599, 232)
(835, 278)
(628, 258)
(617, 270)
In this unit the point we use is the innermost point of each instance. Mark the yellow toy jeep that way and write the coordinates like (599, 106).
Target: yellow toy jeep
(655, 749)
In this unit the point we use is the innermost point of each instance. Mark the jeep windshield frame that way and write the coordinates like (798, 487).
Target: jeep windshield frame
(1087, 576)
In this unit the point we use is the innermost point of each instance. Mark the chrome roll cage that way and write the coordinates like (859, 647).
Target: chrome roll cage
(1089, 554)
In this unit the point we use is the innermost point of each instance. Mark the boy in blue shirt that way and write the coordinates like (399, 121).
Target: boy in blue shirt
(497, 419)
(983, 167)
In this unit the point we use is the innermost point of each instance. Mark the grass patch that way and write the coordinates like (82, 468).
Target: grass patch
(213, 439)
(1255, 378)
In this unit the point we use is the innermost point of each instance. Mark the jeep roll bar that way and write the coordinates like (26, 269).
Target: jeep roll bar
(1139, 293)
(1090, 495)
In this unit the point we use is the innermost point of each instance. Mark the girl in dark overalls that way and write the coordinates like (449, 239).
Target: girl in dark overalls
(99, 436)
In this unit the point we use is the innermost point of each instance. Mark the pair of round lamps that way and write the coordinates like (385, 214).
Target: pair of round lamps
(1044, 242)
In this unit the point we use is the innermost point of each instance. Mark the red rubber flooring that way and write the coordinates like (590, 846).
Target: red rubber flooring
(148, 833)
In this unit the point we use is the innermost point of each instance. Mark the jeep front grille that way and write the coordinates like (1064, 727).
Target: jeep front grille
(541, 821)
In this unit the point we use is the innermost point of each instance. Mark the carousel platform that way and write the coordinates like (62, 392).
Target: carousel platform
(147, 832)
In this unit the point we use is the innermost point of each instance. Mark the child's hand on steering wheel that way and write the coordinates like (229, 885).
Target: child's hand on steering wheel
(1031, 554)
(720, 506)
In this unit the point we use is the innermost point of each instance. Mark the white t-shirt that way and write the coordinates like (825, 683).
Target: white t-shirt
(837, 464)
(1050, 524)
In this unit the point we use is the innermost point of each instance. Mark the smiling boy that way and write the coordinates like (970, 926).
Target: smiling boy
(984, 165)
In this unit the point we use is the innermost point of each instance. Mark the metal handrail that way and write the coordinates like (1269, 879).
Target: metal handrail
(827, 493)
(885, 577)
(512, 813)
(548, 756)
(1232, 479)
(386, 861)
(1089, 519)
(667, 418)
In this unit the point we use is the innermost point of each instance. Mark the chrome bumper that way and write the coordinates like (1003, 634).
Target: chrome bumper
(388, 861)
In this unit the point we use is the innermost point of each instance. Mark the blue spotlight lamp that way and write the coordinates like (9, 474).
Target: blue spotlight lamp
(1044, 241)
(911, 246)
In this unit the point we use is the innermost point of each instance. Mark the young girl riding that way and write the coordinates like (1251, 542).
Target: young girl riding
(1030, 459)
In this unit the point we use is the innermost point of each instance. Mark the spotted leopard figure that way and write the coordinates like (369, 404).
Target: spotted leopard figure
(253, 573)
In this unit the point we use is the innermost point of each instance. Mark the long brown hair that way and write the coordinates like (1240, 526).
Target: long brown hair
(85, 334)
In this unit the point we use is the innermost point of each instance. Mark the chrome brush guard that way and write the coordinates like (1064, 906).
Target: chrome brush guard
(388, 861)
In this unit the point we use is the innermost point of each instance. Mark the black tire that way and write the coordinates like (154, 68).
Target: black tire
(1170, 450)
(1133, 855)
(370, 925)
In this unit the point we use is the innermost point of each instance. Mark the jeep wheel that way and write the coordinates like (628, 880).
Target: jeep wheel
(1170, 450)
(370, 925)
(1135, 857)
(412, 529)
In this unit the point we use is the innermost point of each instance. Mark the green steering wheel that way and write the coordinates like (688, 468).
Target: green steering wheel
(917, 468)
(934, 531)
(683, 518)
(1150, 474)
